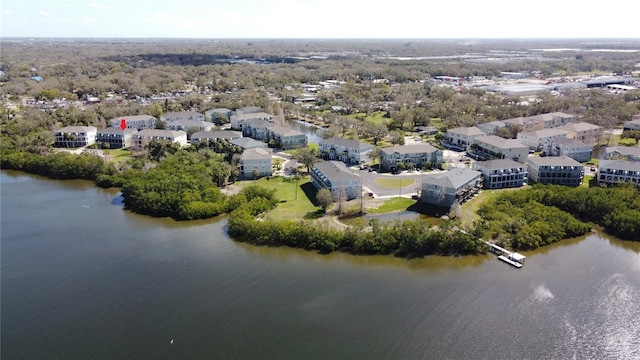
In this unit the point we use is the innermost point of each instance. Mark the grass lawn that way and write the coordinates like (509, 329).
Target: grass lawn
(117, 155)
(394, 182)
(290, 207)
(376, 117)
(394, 204)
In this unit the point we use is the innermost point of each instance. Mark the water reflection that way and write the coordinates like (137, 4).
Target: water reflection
(314, 133)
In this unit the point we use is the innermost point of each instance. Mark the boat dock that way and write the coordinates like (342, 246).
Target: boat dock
(510, 257)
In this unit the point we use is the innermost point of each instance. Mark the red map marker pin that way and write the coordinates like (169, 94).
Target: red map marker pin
(123, 124)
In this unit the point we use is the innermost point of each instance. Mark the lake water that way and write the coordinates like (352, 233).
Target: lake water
(84, 279)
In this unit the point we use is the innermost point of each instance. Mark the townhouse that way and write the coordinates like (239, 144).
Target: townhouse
(494, 147)
(238, 120)
(256, 162)
(345, 150)
(286, 138)
(613, 172)
(460, 138)
(561, 170)
(575, 149)
(75, 136)
(455, 185)
(137, 122)
(409, 156)
(171, 117)
(115, 137)
(503, 173)
(622, 152)
(335, 176)
(540, 139)
(145, 136)
(585, 132)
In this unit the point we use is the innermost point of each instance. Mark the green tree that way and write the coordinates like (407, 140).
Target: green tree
(375, 131)
(324, 197)
(307, 156)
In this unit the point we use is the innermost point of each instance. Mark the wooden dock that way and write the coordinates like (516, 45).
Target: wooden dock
(510, 257)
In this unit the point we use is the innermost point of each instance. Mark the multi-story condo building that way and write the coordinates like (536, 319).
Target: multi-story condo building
(494, 147)
(258, 159)
(410, 155)
(491, 128)
(460, 138)
(346, 150)
(238, 120)
(618, 171)
(554, 119)
(524, 123)
(630, 153)
(444, 189)
(248, 110)
(137, 122)
(540, 139)
(216, 115)
(504, 173)
(181, 115)
(75, 136)
(287, 138)
(575, 149)
(143, 137)
(633, 124)
(245, 143)
(585, 132)
(115, 137)
(186, 125)
(257, 129)
(335, 176)
(560, 170)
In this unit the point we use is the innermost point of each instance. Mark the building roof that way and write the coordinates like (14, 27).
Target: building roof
(256, 154)
(248, 109)
(545, 133)
(219, 111)
(519, 121)
(467, 131)
(348, 143)
(619, 165)
(636, 122)
(259, 123)
(624, 150)
(336, 171)
(501, 143)
(577, 127)
(410, 149)
(117, 130)
(568, 141)
(552, 115)
(160, 132)
(454, 178)
(245, 117)
(194, 123)
(285, 131)
(180, 113)
(553, 161)
(217, 134)
(246, 142)
(76, 129)
(496, 123)
(132, 118)
(498, 164)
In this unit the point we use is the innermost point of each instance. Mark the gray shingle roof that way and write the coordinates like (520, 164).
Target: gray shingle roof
(409, 149)
(619, 165)
(553, 161)
(498, 164)
(454, 178)
(348, 143)
(336, 171)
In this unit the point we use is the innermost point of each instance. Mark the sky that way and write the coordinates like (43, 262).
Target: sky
(320, 18)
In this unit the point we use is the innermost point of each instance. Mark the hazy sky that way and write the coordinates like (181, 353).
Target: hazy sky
(321, 18)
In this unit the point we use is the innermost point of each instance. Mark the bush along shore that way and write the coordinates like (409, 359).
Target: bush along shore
(184, 186)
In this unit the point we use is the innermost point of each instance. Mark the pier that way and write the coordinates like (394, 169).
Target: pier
(510, 257)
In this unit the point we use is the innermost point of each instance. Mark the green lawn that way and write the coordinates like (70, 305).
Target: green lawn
(394, 182)
(293, 204)
(394, 204)
(376, 117)
(117, 155)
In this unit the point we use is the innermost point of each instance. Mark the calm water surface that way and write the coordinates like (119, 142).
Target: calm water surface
(84, 279)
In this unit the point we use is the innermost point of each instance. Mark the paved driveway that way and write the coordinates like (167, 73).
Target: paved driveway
(368, 181)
